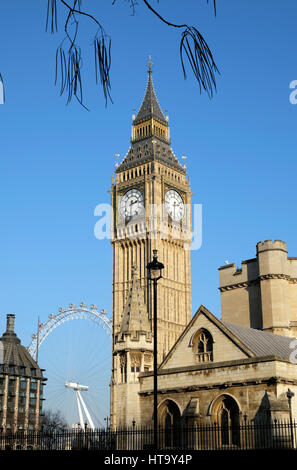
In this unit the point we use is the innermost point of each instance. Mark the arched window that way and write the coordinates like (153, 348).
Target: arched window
(203, 346)
(169, 419)
(226, 415)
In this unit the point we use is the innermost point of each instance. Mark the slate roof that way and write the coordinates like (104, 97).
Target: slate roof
(144, 151)
(150, 106)
(12, 353)
(262, 343)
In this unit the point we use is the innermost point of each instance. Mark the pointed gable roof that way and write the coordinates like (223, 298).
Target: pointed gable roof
(135, 317)
(150, 107)
(252, 342)
(204, 311)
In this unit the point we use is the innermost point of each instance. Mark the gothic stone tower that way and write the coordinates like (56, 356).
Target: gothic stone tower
(132, 353)
(151, 201)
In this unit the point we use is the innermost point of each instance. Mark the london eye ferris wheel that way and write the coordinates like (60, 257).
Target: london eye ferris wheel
(77, 352)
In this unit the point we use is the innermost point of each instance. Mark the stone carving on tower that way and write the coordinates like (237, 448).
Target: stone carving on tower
(151, 202)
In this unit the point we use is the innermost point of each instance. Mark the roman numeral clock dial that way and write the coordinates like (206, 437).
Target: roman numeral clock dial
(174, 205)
(131, 203)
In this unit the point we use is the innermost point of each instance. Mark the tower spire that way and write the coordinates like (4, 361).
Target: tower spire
(150, 108)
(150, 136)
(150, 71)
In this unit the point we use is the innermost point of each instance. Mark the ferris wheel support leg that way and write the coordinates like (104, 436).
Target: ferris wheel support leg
(86, 411)
(81, 420)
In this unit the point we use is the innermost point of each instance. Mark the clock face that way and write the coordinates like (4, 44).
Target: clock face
(174, 205)
(132, 203)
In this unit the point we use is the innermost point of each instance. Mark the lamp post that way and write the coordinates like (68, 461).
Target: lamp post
(154, 274)
(106, 419)
(290, 395)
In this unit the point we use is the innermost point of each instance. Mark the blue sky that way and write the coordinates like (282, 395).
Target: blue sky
(56, 161)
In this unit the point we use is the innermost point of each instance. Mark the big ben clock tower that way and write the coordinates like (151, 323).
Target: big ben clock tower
(151, 201)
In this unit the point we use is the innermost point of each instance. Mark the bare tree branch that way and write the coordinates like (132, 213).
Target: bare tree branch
(2, 90)
(197, 52)
(51, 16)
(69, 68)
(193, 49)
(133, 4)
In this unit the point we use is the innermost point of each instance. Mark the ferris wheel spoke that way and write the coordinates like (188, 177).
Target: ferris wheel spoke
(72, 313)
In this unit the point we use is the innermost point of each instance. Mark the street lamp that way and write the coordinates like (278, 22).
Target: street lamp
(106, 419)
(154, 274)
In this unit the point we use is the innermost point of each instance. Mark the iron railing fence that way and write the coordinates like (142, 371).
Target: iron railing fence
(246, 436)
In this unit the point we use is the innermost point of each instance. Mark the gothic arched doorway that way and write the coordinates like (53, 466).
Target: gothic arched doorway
(225, 413)
(169, 420)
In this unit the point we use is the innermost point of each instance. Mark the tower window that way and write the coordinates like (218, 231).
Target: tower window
(123, 368)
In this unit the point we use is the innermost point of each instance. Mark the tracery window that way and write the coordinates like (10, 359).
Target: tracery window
(204, 346)
(169, 419)
(226, 415)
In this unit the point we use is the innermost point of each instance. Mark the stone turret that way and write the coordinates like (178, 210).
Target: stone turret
(274, 276)
(133, 353)
(262, 293)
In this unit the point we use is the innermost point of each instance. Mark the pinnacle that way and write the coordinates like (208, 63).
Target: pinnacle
(135, 317)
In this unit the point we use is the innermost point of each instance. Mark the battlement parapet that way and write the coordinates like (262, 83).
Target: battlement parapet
(231, 274)
(268, 245)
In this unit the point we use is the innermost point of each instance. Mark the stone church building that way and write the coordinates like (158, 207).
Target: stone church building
(237, 368)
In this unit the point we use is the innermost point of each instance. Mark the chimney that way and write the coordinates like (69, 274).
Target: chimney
(10, 323)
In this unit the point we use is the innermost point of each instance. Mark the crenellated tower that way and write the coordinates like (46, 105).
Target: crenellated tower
(262, 293)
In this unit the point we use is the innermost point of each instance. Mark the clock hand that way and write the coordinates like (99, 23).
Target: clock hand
(131, 204)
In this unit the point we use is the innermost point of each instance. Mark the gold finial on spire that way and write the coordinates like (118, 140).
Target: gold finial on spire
(150, 65)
